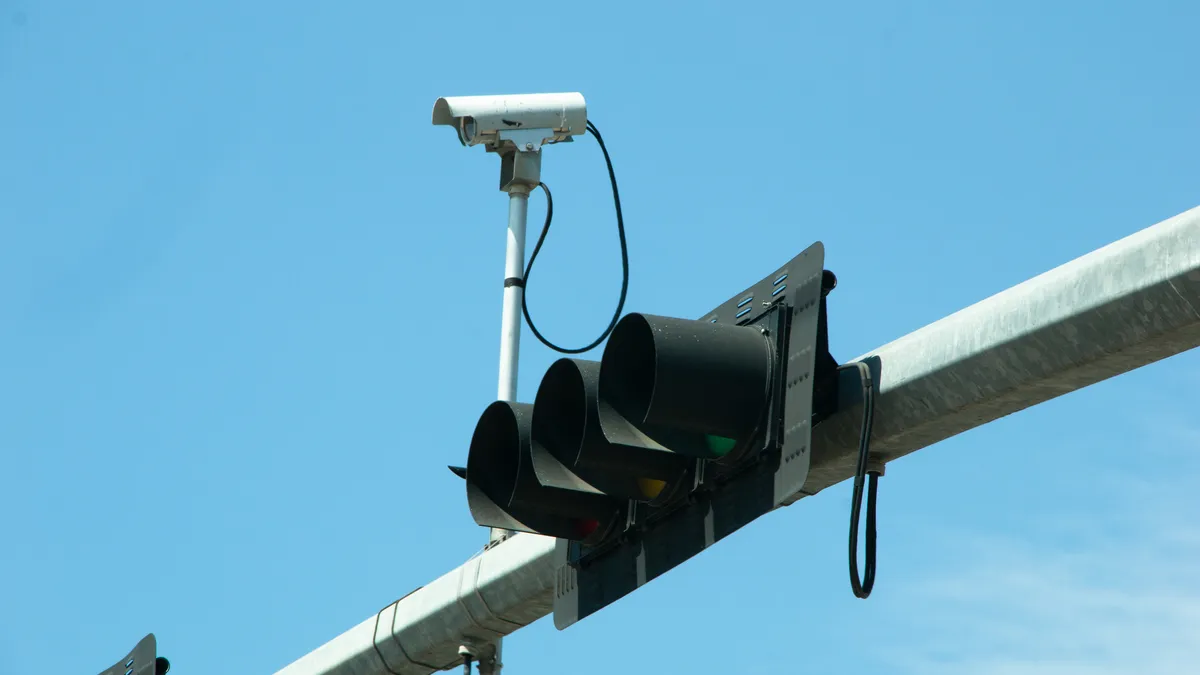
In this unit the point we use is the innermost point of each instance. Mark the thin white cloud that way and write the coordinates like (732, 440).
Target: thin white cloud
(1120, 595)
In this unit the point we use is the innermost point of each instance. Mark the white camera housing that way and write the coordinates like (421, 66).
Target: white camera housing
(522, 122)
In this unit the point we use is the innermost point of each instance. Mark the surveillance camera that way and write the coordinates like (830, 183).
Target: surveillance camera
(521, 122)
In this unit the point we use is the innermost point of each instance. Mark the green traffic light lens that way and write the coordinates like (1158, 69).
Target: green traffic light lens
(719, 446)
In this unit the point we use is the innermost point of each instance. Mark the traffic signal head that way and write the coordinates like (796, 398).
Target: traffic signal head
(582, 432)
(515, 484)
(683, 432)
(695, 377)
(142, 660)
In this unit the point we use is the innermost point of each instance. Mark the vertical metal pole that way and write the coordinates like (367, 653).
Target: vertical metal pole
(514, 291)
(520, 173)
(510, 337)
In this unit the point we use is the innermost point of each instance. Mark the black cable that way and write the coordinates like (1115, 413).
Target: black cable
(612, 176)
(862, 587)
(467, 665)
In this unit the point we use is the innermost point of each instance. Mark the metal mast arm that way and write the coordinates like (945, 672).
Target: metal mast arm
(1124, 306)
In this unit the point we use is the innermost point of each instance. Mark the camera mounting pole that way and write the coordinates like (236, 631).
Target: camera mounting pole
(520, 173)
(516, 128)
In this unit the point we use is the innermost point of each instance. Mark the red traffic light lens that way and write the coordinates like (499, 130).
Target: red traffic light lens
(585, 528)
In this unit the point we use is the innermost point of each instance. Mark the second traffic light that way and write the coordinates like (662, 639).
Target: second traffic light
(683, 432)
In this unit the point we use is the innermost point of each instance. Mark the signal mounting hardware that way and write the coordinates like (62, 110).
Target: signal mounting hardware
(684, 432)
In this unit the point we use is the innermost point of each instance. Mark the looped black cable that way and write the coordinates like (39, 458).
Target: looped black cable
(862, 587)
(612, 176)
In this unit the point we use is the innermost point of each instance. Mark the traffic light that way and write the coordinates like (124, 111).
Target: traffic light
(683, 432)
(142, 660)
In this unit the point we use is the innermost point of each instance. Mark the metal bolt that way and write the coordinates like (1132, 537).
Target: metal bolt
(529, 146)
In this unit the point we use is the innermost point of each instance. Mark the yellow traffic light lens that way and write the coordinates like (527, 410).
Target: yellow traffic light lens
(651, 488)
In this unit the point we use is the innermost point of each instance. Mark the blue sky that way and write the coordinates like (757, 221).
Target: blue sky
(249, 308)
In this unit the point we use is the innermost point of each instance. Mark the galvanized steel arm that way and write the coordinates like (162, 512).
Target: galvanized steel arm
(1124, 306)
